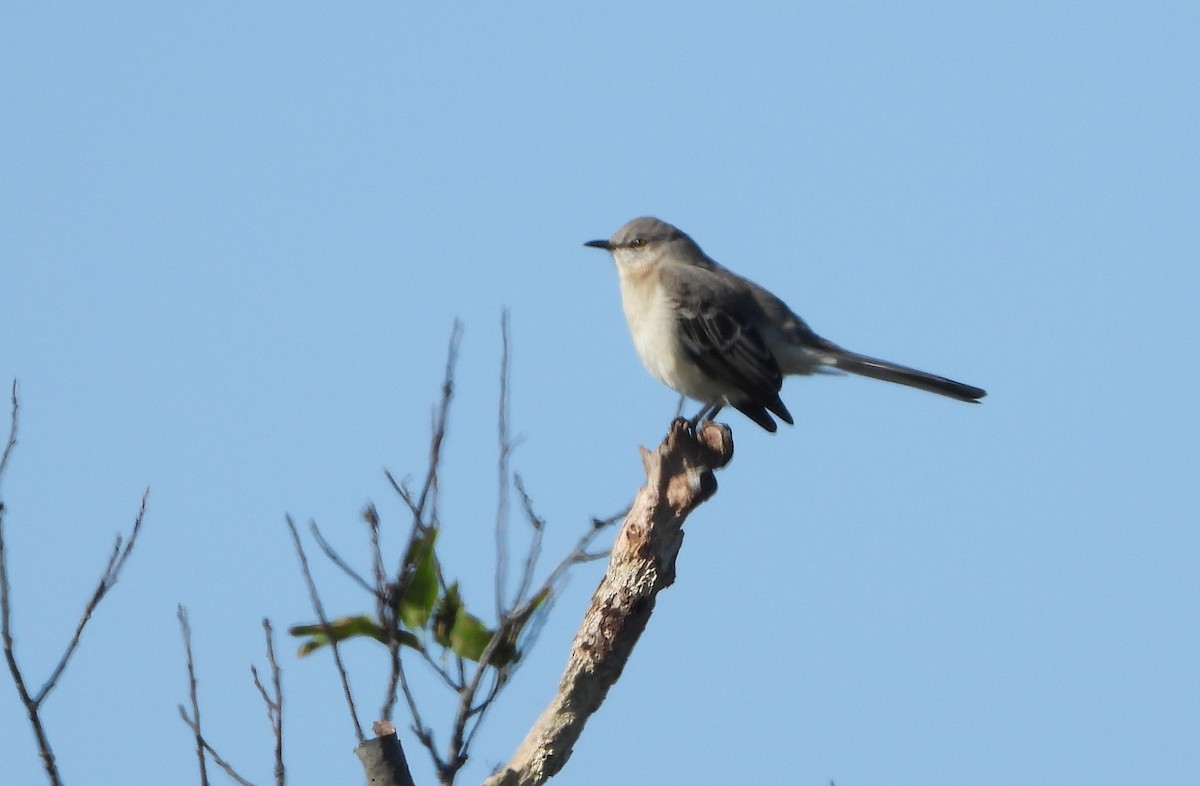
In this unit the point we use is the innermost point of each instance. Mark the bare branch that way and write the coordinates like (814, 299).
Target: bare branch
(273, 701)
(336, 558)
(211, 751)
(371, 516)
(505, 454)
(385, 612)
(480, 710)
(423, 733)
(429, 489)
(577, 556)
(12, 431)
(679, 477)
(31, 704)
(319, 609)
(535, 547)
(402, 490)
(424, 506)
(459, 736)
(453, 683)
(194, 721)
(112, 571)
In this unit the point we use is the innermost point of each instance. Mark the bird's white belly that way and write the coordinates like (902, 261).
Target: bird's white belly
(655, 331)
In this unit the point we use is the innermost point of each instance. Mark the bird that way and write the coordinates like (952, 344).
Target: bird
(722, 340)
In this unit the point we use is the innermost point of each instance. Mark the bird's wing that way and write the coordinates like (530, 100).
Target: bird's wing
(717, 331)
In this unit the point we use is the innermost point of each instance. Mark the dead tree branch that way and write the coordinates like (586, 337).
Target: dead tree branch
(679, 477)
(119, 555)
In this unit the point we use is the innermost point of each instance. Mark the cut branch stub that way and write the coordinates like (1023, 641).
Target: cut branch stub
(679, 477)
(383, 758)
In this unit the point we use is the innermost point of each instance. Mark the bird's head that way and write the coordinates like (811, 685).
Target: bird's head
(644, 241)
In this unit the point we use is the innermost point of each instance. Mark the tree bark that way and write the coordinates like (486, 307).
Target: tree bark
(679, 477)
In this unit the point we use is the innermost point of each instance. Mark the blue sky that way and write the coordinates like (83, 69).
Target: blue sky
(233, 240)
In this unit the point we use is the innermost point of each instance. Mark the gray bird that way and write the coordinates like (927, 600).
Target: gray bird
(722, 340)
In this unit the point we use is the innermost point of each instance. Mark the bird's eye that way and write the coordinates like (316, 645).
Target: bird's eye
(637, 242)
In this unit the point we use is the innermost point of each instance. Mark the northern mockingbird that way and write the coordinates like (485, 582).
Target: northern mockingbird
(722, 340)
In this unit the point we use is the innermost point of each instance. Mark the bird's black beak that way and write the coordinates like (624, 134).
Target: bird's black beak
(604, 244)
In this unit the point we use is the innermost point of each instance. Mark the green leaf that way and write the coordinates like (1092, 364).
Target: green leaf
(445, 615)
(506, 651)
(344, 628)
(466, 635)
(519, 624)
(469, 636)
(421, 592)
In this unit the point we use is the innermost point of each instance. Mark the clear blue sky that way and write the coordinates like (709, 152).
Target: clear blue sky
(234, 237)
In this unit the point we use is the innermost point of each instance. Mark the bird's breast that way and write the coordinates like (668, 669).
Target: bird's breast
(654, 327)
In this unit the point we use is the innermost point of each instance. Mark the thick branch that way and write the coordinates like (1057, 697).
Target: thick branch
(679, 476)
(383, 759)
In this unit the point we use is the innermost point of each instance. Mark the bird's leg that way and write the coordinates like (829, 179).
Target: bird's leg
(708, 412)
(679, 409)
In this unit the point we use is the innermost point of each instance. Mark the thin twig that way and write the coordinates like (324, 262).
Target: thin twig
(481, 709)
(31, 703)
(440, 670)
(12, 431)
(385, 612)
(462, 672)
(401, 489)
(471, 708)
(325, 627)
(476, 684)
(424, 506)
(336, 558)
(505, 454)
(211, 751)
(371, 516)
(274, 701)
(576, 556)
(459, 739)
(116, 562)
(535, 547)
(194, 722)
(112, 571)
(428, 494)
(424, 733)
(394, 674)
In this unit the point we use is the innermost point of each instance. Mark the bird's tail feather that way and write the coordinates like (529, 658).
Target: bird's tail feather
(903, 375)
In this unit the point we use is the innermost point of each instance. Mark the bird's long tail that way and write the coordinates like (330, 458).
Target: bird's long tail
(865, 366)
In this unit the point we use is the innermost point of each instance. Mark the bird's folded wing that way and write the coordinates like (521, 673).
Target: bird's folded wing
(718, 335)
